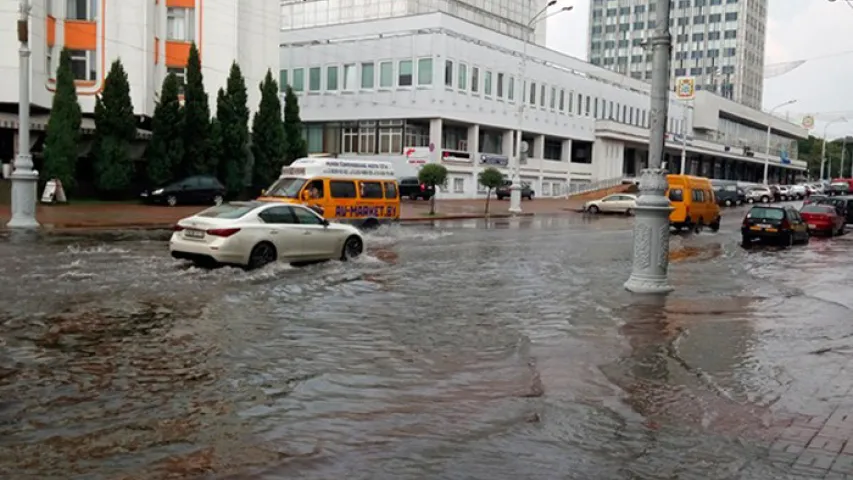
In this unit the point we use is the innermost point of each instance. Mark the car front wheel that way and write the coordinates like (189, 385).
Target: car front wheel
(353, 247)
(593, 209)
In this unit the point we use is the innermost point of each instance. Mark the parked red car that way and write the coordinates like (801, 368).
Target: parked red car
(823, 218)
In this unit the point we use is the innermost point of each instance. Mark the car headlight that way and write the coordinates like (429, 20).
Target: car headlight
(159, 191)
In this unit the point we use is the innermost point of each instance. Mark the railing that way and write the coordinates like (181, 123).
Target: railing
(578, 188)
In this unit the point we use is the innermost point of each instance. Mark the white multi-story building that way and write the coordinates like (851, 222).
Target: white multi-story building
(510, 17)
(436, 88)
(151, 38)
(720, 42)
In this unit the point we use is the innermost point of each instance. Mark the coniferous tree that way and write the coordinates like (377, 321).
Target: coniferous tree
(197, 146)
(268, 141)
(115, 129)
(165, 152)
(233, 116)
(296, 146)
(61, 146)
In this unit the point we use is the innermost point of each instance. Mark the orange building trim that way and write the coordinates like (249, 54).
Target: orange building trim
(180, 3)
(177, 53)
(81, 35)
(51, 86)
(156, 50)
(50, 30)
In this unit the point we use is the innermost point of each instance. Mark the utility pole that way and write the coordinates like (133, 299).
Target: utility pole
(651, 223)
(24, 178)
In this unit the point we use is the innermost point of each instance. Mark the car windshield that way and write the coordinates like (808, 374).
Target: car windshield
(227, 210)
(676, 195)
(767, 213)
(287, 187)
(838, 184)
(817, 209)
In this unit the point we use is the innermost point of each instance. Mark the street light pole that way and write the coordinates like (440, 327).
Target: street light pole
(651, 223)
(684, 140)
(823, 147)
(24, 178)
(767, 138)
(515, 188)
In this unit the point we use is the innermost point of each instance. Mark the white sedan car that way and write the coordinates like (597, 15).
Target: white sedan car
(618, 202)
(253, 234)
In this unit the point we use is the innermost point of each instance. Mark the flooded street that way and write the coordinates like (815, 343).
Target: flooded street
(507, 350)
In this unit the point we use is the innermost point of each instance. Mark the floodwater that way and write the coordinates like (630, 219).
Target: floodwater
(458, 351)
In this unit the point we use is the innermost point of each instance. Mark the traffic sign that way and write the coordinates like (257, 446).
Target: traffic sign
(808, 122)
(685, 88)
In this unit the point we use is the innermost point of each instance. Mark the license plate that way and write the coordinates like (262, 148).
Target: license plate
(763, 225)
(194, 233)
(812, 226)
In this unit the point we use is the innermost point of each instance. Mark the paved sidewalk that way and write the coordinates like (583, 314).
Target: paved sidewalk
(122, 215)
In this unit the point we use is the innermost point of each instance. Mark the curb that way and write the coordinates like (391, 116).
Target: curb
(168, 226)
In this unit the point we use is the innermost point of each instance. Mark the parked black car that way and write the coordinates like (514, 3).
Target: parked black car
(412, 188)
(781, 224)
(842, 202)
(195, 190)
(504, 191)
(729, 194)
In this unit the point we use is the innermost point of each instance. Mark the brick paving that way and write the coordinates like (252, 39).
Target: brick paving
(124, 215)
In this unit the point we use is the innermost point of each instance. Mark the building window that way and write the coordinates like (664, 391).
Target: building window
(458, 185)
(180, 74)
(349, 82)
(82, 10)
(390, 136)
(532, 93)
(487, 84)
(332, 77)
(425, 71)
(367, 137)
(349, 140)
(404, 78)
(282, 80)
(48, 62)
(510, 89)
(500, 85)
(417, 135)
(586, 110)
(83, 65)
(368, 76)
(314, 138)
(180, 24)
(462, 81)
(542, 96)
(475, 80)
(386, 75)
(448, 73)
(562, 100)
(554, 98)
(314, 75)
(298, 79)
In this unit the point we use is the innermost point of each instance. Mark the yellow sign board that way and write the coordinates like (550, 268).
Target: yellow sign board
(685, 88)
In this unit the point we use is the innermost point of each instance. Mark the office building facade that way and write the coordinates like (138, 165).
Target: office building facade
(719, 42)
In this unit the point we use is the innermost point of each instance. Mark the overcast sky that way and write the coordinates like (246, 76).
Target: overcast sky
(797, 30)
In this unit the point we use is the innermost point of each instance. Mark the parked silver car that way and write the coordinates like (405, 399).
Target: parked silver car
(759, 194)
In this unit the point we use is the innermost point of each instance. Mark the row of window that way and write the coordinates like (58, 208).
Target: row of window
(642, 8)
(85, 10)
(180, 21)
(347, 189)
(461, 77)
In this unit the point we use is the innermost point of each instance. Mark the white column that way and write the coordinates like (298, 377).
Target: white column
(507, 145)
(473, 150)
(566, 156)
(435, 127)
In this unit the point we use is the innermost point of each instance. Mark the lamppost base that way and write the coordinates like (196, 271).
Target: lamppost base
(515, 199)
(651, 236)
(24, 198)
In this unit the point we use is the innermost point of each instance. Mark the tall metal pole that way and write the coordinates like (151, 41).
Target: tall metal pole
(651, 224)
(684, 140)
(767, 137)
(823, 155)
(843, 151)
(24, 178)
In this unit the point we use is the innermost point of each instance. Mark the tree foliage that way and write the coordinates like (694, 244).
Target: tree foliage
(491, 178)
(810, 149)
(296, 146)
(233, 117)
(433, 175)
(198, 148)
(165, 152)
(268, 140)
(115, 129)
(61, 147)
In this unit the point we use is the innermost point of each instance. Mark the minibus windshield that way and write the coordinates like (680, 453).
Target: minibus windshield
(287, 187)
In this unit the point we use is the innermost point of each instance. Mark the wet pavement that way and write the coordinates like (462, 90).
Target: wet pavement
(476, 350)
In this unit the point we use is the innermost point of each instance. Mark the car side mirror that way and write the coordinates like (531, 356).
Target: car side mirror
(325, 223)
(263, 191)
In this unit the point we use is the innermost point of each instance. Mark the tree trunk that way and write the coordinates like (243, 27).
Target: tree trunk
(488, 197)
(432, 204)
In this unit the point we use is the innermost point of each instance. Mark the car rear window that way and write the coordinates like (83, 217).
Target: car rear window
(227, 211)
(767, 213)
(676, 195)
(817, 209)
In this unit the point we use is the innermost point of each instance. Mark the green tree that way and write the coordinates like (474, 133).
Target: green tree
(296, 147)
(115, 129)
(61, 146)
(166, 149)
(197, 145)
(491, 178)
(233, 117)
(433, 175)
(268, 140)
